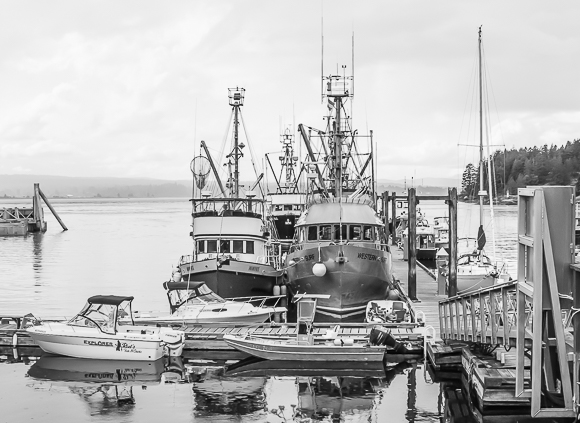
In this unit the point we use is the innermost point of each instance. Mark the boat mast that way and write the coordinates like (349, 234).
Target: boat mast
(481, 184)
(236, 96)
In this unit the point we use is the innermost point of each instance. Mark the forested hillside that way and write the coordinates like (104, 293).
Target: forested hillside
(513, 169)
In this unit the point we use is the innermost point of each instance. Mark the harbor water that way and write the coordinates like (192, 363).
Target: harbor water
(129, 247)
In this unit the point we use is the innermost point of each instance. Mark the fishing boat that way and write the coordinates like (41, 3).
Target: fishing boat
(95, 333)
(234, 248)
(339, 247)
(326, 348)
(441, 229)
(194, 303)
(475, 270)
(287, 201)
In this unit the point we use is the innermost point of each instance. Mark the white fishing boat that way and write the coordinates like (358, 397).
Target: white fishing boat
(235, 250)
(95, 333)
(326, 348)
(475, 270)
(194, 303)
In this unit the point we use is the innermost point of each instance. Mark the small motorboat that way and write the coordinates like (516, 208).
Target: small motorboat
(328, 348)
(387, 311)
(195, 303)
(95, 333)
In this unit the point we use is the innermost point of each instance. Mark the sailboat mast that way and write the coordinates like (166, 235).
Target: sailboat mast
(481, 185)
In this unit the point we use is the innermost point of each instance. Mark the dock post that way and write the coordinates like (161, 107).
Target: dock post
(394, 214)
(37, 210)
(386, 214)
(412, 241)
(452, 203)
(51, 209)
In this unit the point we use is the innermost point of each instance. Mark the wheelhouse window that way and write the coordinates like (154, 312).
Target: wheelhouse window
(201, 246)
(225, 246)
(312, 233)
(249, 247)
(212, 246)
(337, 232)
(354, 233)
(325, 233)
(301, 235)
(368, 233)
(238, 246)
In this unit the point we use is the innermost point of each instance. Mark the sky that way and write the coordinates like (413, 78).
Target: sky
(129, 88)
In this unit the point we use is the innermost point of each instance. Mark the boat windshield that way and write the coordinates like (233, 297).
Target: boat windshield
(193, 297)
(102, 316)
(473, 259)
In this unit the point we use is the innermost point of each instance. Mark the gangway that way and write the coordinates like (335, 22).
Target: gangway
(535, 314)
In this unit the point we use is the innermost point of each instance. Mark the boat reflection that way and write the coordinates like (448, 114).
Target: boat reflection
(332, 390)
(218, 393)
(105, 385)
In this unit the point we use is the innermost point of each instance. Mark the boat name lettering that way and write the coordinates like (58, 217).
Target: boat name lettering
(366, 256)
(99, 343)
(254, 268)
(309, 257)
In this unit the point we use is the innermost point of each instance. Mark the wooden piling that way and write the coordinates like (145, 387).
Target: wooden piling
(452, 203)
(411, 242)
(394, 214)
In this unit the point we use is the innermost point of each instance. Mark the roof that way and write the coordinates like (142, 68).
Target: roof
(173, 286)
(321, 213)
(109, 299)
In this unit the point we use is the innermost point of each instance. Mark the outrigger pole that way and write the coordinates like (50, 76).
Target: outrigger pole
(217, 177)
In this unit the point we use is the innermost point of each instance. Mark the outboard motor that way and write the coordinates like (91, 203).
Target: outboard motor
(174, 341)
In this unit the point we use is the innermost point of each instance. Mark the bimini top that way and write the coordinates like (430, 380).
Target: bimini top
(109, 299)
(321, 213)
(174, 286)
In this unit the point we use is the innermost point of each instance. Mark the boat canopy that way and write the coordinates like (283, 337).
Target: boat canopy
(173, 286)
(109, 299)
(323, 213)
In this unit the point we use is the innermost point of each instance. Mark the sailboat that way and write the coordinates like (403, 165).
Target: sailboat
(287, 201)
(340, 247)
(475, 270)
(235, 252)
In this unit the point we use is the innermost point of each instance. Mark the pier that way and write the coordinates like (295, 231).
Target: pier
(16, 221)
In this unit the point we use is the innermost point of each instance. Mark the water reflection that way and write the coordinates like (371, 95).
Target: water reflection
(37, 238)
(106, 386)
(217, 393)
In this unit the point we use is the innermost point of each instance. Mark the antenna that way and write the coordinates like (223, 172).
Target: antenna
(352, 82)
(322, 59)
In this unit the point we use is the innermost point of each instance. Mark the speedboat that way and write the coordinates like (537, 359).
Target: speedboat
(95, 333)
(194, 303)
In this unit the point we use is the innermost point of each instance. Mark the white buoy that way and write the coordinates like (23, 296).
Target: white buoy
(319, 269)
(176, 275)
(276, 290)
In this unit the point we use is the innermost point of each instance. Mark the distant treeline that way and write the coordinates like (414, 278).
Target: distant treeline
(513, 169)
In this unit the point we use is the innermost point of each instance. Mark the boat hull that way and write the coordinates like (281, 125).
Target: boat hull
(217, 318)
(234, 278)
(62, 339)
(272, 350)
(362, 276)
(474, 282)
